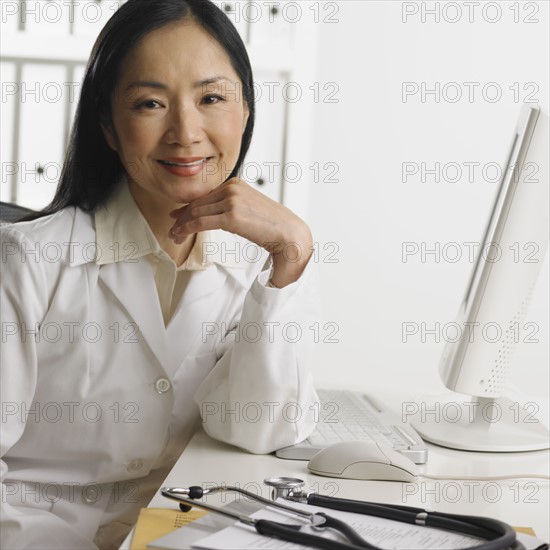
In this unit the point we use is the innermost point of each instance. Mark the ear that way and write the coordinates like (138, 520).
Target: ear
(109, 134)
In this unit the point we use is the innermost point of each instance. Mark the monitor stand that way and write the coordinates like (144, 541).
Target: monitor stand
(472, 423)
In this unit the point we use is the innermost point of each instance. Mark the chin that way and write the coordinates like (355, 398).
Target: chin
(185, 196)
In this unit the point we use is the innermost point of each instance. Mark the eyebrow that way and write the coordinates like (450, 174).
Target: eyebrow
(161, 86)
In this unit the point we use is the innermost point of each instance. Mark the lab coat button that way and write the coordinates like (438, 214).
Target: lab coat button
(135, 466)
(162, 385)
(90, 493)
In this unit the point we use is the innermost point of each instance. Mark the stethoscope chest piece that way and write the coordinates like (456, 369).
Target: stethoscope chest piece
(289, 488)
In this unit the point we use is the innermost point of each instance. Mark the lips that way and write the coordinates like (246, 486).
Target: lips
(185, 166)
(184, 162)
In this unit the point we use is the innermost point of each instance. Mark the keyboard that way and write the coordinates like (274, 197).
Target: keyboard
(348, 415)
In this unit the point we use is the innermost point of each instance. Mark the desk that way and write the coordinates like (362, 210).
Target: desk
(520, 502)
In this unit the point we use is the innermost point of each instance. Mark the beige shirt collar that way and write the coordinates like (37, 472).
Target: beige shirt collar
(123, 234)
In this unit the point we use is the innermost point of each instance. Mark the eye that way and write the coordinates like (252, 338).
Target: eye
(148, 104)
(211, 99)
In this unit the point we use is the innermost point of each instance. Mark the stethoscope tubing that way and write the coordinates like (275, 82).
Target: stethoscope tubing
(477, 526)
(286, 533)
(349, 532)
(282, 531)
(498, 535)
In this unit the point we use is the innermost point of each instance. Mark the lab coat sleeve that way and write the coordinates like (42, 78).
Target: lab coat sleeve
(23, 303)
(260, 395)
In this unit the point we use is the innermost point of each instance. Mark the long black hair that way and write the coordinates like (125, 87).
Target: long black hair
(92, 169)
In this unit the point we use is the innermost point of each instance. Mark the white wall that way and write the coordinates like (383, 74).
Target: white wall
(369, 212)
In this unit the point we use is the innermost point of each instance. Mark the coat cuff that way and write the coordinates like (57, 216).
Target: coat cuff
(263, 292)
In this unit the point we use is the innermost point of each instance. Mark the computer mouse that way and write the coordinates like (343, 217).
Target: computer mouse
(363, 460)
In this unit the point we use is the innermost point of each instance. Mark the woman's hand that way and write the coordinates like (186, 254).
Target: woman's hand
(236, 207)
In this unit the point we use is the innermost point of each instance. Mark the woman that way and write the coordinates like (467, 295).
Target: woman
(114, 346)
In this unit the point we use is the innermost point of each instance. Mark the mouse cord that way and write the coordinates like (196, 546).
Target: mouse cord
(487, 478)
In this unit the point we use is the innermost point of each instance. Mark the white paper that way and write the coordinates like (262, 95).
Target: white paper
(384, 533)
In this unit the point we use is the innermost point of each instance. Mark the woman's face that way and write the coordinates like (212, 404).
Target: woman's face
(178, 115)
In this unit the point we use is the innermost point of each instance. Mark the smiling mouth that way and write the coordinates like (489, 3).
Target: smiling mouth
(184, 164)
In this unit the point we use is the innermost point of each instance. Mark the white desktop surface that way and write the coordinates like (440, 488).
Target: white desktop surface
(519, 502)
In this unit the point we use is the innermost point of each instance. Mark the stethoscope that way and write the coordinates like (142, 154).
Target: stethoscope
(498, 534)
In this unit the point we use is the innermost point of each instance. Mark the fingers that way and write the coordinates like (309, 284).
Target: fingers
(205, 223)
(230, 201)
(215, 195)
(200, 218)
(238, 208)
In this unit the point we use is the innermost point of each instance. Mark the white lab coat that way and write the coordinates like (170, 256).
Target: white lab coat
(99, 398)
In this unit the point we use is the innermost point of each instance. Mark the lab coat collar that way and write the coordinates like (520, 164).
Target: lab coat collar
(231, 257)
(118, 232)
(140, 300)
(230, 252)
(122, 233)
(233, 254)
(82, 242)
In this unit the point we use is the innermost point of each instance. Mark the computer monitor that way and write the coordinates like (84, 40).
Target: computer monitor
(477, 363)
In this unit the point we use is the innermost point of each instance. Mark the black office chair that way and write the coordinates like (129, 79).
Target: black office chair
(11, 213)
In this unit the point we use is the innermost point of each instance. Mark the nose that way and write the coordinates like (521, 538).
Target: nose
(184, 125)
